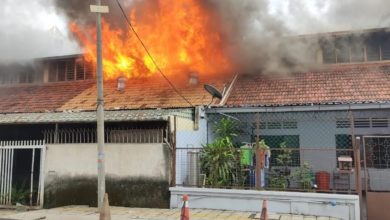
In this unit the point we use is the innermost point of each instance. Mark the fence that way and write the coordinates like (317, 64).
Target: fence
(22, 172)
(112, 135)
(319, 145)
(284, 169)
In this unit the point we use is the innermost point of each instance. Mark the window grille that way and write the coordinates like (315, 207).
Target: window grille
(290, 125)
(117, 135)
(380, 122)
(343, 123)
(70, 69)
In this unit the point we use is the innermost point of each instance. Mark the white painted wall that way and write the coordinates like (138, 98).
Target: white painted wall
(188, 137)
(122, 160)
(334, 205)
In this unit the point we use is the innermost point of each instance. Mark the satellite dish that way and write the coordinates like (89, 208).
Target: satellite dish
(213, 91)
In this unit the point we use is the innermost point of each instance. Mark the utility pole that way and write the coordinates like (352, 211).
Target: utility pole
(99, 9)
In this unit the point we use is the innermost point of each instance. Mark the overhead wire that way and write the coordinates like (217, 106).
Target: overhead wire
(150, 55)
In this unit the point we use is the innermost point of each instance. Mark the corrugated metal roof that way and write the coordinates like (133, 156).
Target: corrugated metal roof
(110, 116)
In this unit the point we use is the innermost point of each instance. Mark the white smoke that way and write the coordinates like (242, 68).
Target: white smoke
(31, 29)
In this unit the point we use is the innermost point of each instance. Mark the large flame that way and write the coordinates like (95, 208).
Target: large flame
(179, 35)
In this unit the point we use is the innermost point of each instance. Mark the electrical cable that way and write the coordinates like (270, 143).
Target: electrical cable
(150, 56)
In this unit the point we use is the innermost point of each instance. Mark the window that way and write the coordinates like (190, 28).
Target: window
(385, 51)
(16, 73)
(343, 123)
(373, 50)
(380, 122)
(292, 142)
(274, 125)
(359, 48)
(344, 146)
(328, 52)
(363, 123)
(342, 54)
(290, 125)
(377, 152)
(69, 70)
(357, 53)
(277, 125)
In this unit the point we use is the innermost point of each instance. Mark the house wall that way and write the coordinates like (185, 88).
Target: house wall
(188, 137)
(136, 174)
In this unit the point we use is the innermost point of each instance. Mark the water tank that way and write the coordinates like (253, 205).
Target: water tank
(193, 168)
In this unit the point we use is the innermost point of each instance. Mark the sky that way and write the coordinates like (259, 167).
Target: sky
(36, 29)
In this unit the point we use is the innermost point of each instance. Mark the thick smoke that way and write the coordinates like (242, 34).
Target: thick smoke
(260, 35)
(258, 41)
(29, 29)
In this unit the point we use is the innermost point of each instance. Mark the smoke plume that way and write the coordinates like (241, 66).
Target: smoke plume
(260, 35)
(29, 30)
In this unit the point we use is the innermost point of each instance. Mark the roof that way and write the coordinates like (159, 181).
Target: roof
(109, 116)
(368, 83)
(142, 93)
(334, 84)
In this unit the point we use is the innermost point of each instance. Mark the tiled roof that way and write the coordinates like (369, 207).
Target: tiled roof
(334, 85)
(149, 93)
(39, 97)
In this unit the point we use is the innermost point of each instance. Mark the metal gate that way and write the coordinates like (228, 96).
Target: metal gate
(376, 150)
(8, 149)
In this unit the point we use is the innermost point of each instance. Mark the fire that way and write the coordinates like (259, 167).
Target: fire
(179, 35)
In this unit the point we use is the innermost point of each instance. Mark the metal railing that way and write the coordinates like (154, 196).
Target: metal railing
(8, 184)
(112, 135)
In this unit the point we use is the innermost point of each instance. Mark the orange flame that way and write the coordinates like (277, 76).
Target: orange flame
(179, 35)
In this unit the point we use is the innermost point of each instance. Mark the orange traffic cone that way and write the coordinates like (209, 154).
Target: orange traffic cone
(264, 211)
(185, 210)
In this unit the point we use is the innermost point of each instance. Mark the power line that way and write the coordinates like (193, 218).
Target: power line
(150, 56)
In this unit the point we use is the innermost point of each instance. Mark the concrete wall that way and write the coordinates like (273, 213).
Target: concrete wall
(122, 160)
(338, 206)
(137, 175)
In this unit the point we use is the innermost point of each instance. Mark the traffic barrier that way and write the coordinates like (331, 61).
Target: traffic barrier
(185, 210)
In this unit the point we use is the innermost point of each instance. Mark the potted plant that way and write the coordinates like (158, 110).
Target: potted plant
(280, 176)
(304, 176)
(218, 159)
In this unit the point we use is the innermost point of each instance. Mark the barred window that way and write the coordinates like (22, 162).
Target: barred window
(377, 152)
(69, 70)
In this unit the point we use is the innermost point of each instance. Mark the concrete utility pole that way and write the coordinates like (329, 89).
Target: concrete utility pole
(98, 9)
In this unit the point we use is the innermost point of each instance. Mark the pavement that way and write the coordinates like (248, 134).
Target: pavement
(123, 213)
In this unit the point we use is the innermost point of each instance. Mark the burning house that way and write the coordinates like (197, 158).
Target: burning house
(142, 118)
(314, 93)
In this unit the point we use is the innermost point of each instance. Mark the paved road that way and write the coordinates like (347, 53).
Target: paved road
(121, 213)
